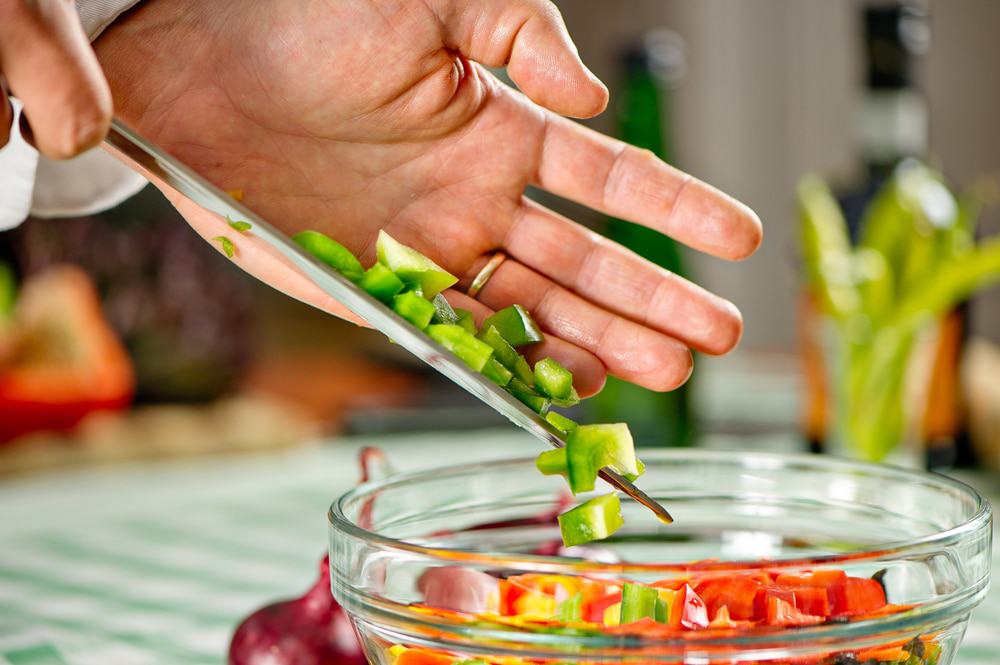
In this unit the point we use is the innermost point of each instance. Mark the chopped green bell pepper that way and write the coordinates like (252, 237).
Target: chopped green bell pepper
(466, 320)
(570, 609)
(537, 403)
(381, 283)
(497, 373)
(638, 602)
(560, 422)
(443, 312)
(330, 252)
(516, 326)
(552, 379)
(474, 352)
(506, 354)
(522, 371)
(412, 267)
(592, 520)
(552, 462)
(571, 400)
(590, 448)
(413, 308)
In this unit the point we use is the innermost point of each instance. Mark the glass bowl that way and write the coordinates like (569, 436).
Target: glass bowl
(925, 537)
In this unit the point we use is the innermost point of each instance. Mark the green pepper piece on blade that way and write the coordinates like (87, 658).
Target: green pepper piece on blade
(560, 422)
(330, 252)
(443, 312)
(552, 462)
(638, 602)
(413, 308)
(538, 403)
(516, 326)
(590, 448)
(381, 283)
(412, 267)
(592, 520)
(522, 371)
(497, 373)
(466, 320)
(552, 379)
(473, 352)
(571, 400)
(506, 354)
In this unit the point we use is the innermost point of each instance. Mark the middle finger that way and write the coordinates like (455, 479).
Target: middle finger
(620, 281)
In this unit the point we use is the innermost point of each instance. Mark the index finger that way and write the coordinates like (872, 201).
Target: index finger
(623, 181)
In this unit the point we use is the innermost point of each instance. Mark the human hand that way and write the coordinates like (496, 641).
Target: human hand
(358, 115)
(47, 63)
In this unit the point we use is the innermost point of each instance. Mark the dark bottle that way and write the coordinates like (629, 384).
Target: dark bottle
(643, 117)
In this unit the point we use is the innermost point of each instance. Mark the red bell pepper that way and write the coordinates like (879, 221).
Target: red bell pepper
(782, 613)
(423, 657)
(594, 610)
(737, 593)
(863, 595)
(687, 610)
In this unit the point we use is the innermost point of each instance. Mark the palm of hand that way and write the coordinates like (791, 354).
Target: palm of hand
(348, 130)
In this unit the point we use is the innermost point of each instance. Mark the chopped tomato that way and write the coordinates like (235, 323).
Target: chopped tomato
(862, 595)
(594, 610)
(724, 621)
(812, 601)
(736, 594)
(762, 601)
(783, 613)
(688, 610)
(835, 583)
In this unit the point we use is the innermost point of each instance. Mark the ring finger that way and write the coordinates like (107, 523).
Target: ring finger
(629, 351)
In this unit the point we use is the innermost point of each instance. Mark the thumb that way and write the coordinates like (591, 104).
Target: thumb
(530, 38)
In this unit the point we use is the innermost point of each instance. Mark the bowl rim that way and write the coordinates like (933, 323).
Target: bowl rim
(933, 612)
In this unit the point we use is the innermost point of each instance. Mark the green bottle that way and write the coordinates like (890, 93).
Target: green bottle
(643, 116)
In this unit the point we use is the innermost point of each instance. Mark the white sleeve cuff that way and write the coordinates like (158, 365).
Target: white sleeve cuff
(94, 181)
(17, 175)
(96, 15)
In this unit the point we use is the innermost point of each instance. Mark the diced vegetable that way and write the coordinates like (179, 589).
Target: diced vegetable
(241, 227)
(570, 400)
(474, 352)
(595, 519)
(330, 252)
(552, 462)
(412, 267)
(466, 320)
(443, 312)
(506, 354)
(638, 602)
(413, 308)
(516, 326)
(590, 448)
(228, 248)
(560, 422)
(497, 373)
(537, 403)
(522, 371)
(571, 609)
(641, 469)
(552, 379)
(381, 283)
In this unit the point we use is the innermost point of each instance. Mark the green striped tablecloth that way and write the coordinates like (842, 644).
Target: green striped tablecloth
(155, 564)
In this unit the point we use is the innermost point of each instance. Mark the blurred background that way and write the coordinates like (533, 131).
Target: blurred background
(191, 425)
(167, 349)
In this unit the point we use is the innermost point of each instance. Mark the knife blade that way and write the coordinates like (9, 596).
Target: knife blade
(162, 166)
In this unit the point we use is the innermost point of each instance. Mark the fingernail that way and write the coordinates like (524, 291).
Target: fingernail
(26, 133)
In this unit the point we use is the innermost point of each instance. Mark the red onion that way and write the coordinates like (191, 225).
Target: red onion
(310, 630)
